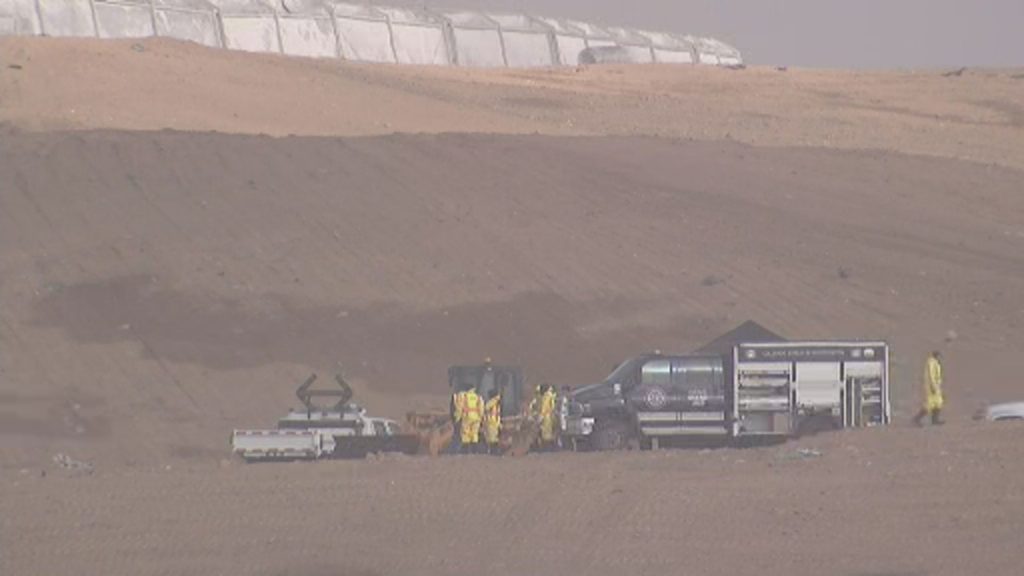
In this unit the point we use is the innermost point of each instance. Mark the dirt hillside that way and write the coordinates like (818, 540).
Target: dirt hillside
(152, 280)
(151, 85)
(185, 234)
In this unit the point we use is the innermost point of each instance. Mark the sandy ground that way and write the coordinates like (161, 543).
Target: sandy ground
(898, 502)
(173, 263)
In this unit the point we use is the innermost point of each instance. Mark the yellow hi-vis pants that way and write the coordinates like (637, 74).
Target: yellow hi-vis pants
(470, 431)
(492, 431)
(547, 428)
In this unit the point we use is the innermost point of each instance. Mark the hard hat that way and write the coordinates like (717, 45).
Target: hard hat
(487, 360)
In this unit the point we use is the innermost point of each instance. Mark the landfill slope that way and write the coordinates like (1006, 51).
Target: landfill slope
(162, 288)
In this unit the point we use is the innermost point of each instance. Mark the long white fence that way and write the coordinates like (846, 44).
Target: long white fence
(358, 32)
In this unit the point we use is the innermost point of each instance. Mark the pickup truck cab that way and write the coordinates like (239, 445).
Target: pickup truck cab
(647, 398)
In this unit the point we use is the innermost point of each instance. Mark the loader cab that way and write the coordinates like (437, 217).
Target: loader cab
(484, 378)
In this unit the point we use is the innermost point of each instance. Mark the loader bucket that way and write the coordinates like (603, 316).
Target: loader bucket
(524, 438)
(438, 439)
(433, 429)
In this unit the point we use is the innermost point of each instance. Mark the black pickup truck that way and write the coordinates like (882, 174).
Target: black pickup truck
(649, 398)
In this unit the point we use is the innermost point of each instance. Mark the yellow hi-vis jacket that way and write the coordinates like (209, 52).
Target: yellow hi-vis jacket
(547, 404)
(534, 409)
(472, 407)
(492, 411)
(458, 403)
(492, 419)
(933, 398)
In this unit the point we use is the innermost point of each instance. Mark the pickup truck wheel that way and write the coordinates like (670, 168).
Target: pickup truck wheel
(610, 436)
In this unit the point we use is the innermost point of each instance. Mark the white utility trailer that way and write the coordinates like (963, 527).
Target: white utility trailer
(789, 388)
(340, 431)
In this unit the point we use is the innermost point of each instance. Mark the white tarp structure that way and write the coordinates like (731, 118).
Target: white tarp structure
(477, 39)
(19, 18)
(305, 29)
(359, 32)
(636, 45)
(192, 20)
(8, 26)
(250, 25)
(569, 40)
(364, 34)
(527, 42)
(66, 18)
(595, 35)
(418, 37)
(717, 52)
(116, 19)
(669, 49)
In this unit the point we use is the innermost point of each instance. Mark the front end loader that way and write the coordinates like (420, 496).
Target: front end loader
(435, 429)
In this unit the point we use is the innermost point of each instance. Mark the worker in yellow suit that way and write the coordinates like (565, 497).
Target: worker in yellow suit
(548, 413)
(472, 415)
(492, 422)
(534, 409)
(457, 404)
(934, 400)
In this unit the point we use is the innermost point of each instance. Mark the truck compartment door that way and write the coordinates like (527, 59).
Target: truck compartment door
(762, 398)
(818, 387)
(865, 395)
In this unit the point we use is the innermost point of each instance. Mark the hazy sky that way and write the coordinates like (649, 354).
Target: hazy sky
(822, 33)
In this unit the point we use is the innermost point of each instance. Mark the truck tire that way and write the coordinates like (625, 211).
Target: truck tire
(610, 435)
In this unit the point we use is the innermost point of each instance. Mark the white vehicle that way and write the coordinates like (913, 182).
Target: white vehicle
(792, 388)
(340, 431)
(1002, 412)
